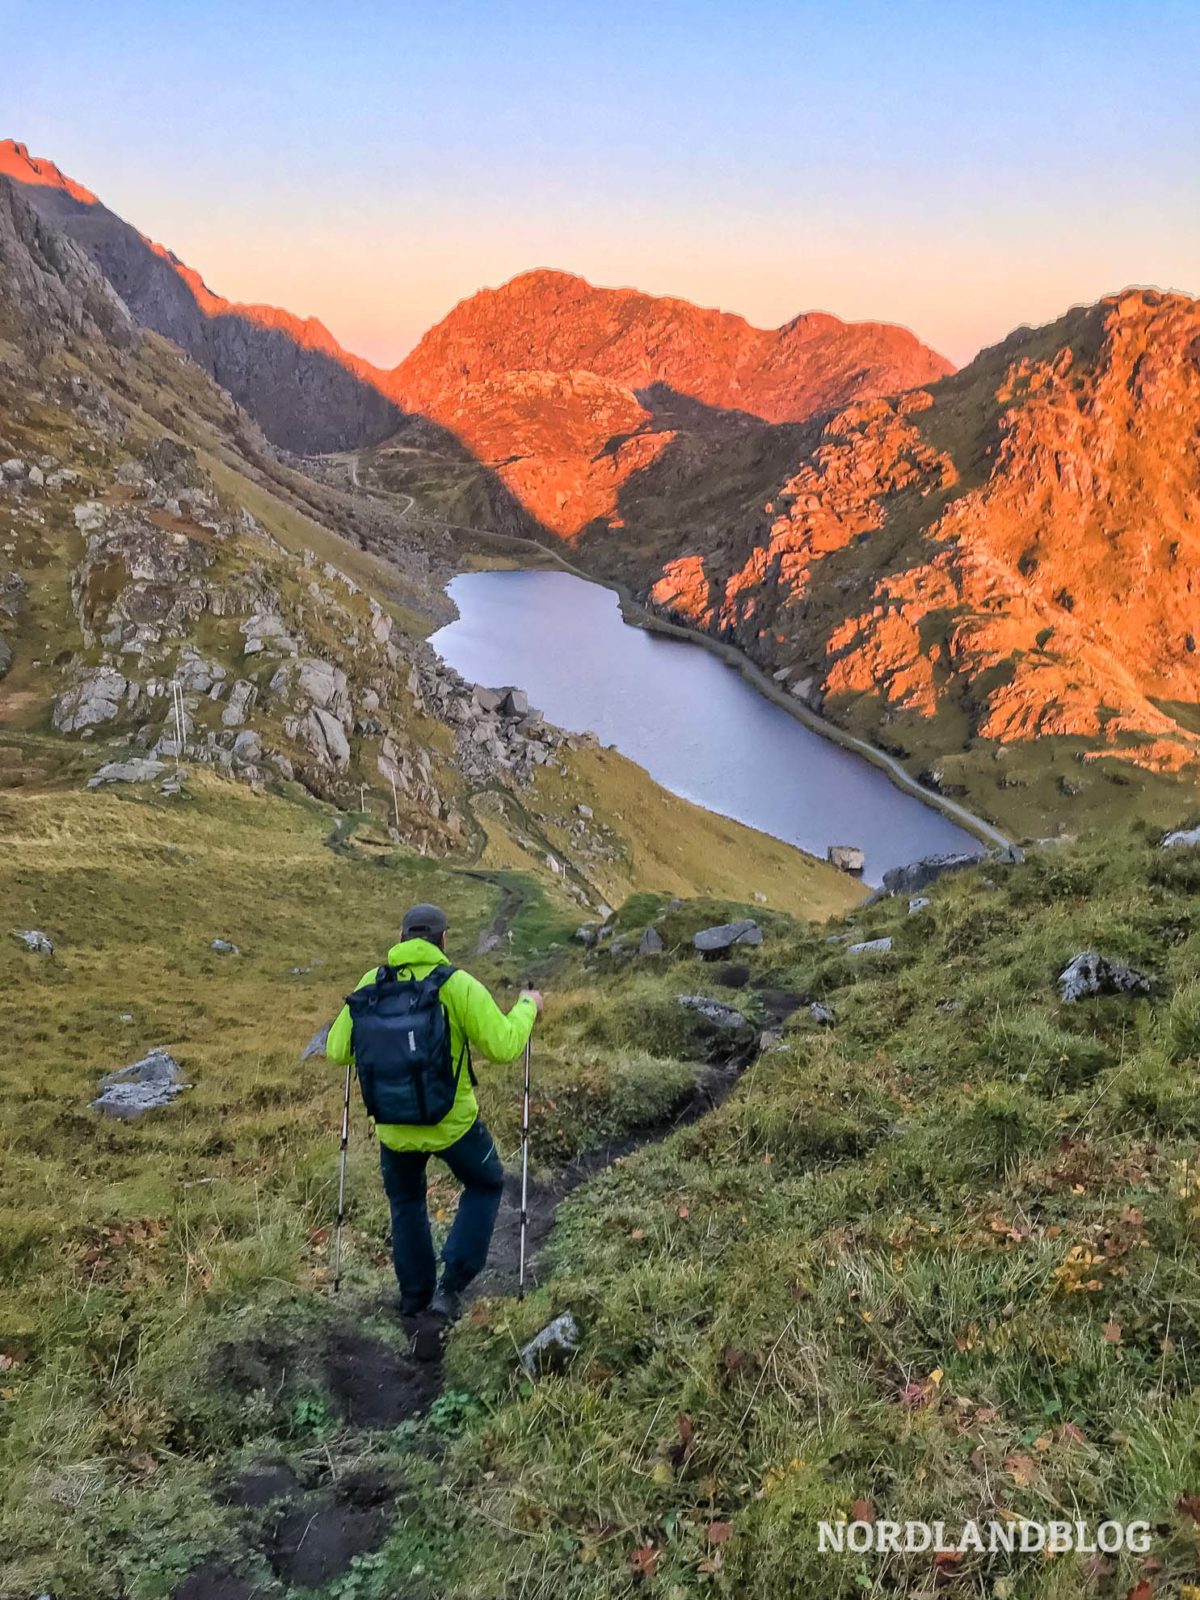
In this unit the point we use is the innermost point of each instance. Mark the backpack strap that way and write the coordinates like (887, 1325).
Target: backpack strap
(438, 976)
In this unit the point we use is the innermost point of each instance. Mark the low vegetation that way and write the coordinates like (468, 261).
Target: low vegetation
(935, 1261)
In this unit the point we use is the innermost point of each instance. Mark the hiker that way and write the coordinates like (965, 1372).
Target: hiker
(411, 1065)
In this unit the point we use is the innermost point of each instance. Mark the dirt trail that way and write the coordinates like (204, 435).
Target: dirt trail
(304, 1525)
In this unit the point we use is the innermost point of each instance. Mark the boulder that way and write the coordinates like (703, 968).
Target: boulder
(34, 940)
(224, 947)
(820, 1014)
(138, 770)
(714, 1012)
(1089, 974)
(1182, 838)
(96, 698)
(487, 700)
(142, 1086)
(556, 1341)
(36, 478)
(651, 943)
(917, 874)
(713, 942)
(13, 468)
(247, 748)
(90, 516)
(871, 947)
(847, 858)
(586, 933)
(326, 738)
(515, 703)
(241, 698)
(918, 903)
(6, 657)
(324, 685)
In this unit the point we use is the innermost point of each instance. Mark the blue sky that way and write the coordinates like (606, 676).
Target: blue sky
(956, 167)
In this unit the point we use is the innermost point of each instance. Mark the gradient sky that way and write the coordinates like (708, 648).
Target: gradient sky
(957, 167)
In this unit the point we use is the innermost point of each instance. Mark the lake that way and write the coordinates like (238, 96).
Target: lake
(681, 712)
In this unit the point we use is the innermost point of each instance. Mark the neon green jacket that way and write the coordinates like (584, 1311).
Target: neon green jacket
(474, 1016)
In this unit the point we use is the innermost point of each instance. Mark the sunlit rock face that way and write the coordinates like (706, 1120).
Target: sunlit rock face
(1022, 538)
(570, 392)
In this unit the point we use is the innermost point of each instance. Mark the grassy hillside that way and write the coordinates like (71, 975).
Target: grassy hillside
(938, 1257)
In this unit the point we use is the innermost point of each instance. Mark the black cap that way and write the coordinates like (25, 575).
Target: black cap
(424, 922)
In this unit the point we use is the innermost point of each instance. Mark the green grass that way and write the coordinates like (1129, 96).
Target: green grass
(938, 1259)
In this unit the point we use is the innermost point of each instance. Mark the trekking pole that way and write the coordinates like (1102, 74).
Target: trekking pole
(524, 1173)
(341, 1210)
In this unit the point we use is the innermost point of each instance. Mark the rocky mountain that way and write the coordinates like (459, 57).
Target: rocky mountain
(555, 322)
(290, 373)
(548, 394)
(1010, 555)
(568, 391)
(178, 603)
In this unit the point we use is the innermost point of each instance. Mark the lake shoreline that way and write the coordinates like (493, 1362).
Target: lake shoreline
(637, 615)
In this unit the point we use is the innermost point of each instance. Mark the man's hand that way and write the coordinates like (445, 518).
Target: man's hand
(536, 996)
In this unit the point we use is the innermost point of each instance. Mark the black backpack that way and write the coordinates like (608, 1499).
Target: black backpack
(400, 1036)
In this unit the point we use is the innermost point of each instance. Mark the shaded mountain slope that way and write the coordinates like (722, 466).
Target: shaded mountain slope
(290, 373)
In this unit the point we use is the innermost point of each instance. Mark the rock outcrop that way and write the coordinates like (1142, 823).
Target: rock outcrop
(1016, 546)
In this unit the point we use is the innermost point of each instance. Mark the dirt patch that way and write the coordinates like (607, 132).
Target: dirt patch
(374, 1385)
(214, 1581)
(312, 1543)
(260, 1484)
(251, 1365)
(779, 1004)
(733, 976)
(317, 1538)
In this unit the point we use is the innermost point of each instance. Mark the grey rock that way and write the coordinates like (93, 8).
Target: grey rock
(820, 1014)
(587, 933)
(6, 657)
(36, 478)
(1089, 974)
(96, 698)
(13, 468)
(871, 947)
(316, 1045)
(651, 943)
(715, 1012)
(557, 1340)
(90, 516)
(138, 770)
(34, 940)
(515, 703)
(713, 942)
(241, 698)
(917, 874)
(1181, 838)
(225, 947)
(486, 700)
(324, 685)
(584, 811)
(326, 738)
(142, 1086)
(918, 903)
(847, 858)
(247, 747)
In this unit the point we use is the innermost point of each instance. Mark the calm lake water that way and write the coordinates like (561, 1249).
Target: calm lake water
(693, 722)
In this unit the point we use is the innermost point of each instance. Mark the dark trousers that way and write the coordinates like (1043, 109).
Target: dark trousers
(474, 1162)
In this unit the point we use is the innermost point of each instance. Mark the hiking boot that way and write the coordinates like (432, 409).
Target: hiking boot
(413, 1305)
(446, 1304)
